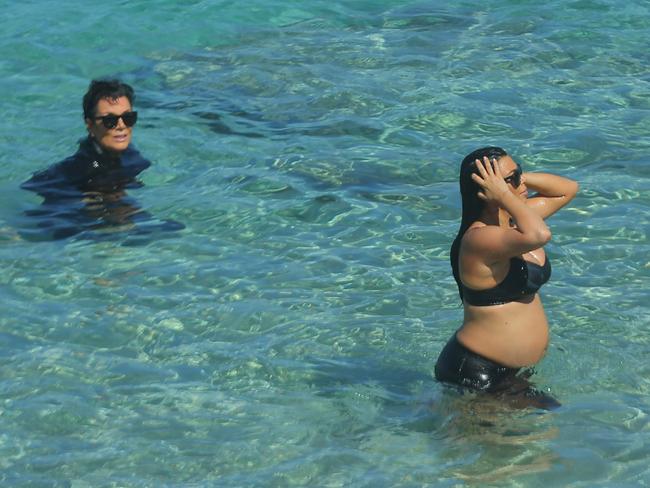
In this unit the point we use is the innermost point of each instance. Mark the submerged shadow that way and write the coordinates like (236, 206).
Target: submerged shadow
(98, 211)
(486, 440)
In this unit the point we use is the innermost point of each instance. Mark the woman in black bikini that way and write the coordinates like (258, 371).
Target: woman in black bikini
(499, 264)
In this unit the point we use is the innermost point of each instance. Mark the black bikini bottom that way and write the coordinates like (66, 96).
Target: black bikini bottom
(459, 366)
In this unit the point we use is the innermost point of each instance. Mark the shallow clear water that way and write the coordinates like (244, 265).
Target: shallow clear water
(287, 336)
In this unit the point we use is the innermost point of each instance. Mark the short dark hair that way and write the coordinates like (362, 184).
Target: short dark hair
(99, 89)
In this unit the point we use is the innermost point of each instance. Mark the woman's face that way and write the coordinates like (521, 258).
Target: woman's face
(514, 177)
(114, 140)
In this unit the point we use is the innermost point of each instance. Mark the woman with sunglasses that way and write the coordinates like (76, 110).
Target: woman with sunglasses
(109, 116)
(105, 158)
(105, 164)
(499, 264)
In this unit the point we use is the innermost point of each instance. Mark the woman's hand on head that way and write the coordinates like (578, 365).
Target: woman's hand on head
(491, 181)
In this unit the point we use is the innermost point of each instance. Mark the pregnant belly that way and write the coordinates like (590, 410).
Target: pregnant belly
(514, 334)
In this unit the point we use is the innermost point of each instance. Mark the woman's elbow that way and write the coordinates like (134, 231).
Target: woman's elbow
(544, 236)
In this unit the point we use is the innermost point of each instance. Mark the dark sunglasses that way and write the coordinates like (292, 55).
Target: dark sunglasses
(110, 121)
(514, 179)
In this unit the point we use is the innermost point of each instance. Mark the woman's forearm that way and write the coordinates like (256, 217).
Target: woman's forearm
(550, 185)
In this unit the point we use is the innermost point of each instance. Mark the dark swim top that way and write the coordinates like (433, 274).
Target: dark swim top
(523, 279)
(89, 169)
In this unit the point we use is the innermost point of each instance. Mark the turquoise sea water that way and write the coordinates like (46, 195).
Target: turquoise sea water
(287, 336)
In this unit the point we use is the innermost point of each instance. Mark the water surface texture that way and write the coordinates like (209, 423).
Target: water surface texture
(287, 335)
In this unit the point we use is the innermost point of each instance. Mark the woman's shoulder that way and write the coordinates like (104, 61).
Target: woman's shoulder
(480, 233)
(487, 242)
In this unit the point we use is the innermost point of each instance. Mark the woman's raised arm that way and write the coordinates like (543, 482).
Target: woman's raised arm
(553, 192)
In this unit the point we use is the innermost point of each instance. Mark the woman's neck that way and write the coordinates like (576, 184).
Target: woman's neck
(496, 216)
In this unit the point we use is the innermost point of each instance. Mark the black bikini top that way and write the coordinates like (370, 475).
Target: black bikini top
(523, 279)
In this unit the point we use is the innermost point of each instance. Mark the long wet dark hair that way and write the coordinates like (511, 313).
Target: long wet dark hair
(472, 204)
